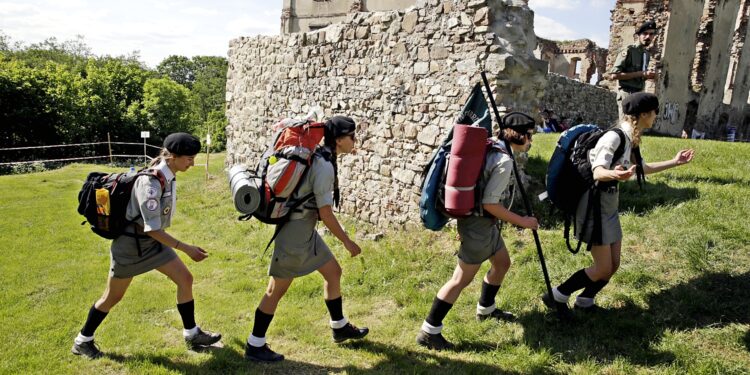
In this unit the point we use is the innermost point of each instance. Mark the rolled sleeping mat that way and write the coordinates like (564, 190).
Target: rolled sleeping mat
(464, 166)
(244, 188)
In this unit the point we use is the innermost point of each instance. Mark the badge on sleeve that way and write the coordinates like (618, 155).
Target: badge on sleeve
(151, 193)
(167, 209)
(152, 204)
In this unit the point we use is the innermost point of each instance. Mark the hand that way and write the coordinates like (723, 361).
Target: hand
(684, 156)
(649, 74)
(195, 253)
(529, 222)
(622, 174)
(353, 248)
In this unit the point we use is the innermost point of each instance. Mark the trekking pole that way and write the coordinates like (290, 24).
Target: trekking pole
(520, 185)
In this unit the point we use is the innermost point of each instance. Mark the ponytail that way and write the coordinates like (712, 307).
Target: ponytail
(163, 155)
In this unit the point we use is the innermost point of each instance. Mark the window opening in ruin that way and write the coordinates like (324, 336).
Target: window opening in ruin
(317, 27)
(575, 68)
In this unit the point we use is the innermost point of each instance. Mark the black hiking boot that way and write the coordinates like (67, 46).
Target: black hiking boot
(561, 309)
(349, 331)
(202, 339)
(87, 349)
(498, 315)
(262, 354)
(433, 341)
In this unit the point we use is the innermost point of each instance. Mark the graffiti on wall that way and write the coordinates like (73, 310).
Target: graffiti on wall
(671, 112)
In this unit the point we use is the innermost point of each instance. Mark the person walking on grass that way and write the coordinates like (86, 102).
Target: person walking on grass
(481, 239)
(299, 250)
(146, 246)
(640, 111)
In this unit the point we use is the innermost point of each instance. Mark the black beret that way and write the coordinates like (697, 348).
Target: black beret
(182, 144)
(640, 102)
(648, 25)
(339, 126)
(518, 121)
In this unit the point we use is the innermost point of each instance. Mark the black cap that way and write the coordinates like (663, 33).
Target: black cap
(648, 25)
(518, 121)
(640, 102)
(339, 126)
(182, 144)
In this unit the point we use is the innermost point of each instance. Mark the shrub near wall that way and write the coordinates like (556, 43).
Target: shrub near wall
(402, 75)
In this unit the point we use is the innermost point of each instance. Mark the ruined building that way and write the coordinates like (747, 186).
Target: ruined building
(309, 15)
(578, 59)
(700, 51)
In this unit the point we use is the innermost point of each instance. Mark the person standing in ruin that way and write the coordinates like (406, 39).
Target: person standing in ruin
(631, 67)
(481, 239)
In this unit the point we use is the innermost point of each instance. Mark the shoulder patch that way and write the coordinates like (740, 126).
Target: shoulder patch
(151, 192)
(152, 204)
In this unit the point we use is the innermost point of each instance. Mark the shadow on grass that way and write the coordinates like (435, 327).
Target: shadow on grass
(229, 360)
(712, 300)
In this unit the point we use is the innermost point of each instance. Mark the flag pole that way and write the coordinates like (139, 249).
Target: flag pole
(520, 184)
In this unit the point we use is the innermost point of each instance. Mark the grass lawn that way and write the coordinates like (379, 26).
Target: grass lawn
(679, 304)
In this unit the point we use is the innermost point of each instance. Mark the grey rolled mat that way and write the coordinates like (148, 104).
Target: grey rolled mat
(244, 189)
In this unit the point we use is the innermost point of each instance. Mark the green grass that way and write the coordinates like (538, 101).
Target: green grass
(679, 304)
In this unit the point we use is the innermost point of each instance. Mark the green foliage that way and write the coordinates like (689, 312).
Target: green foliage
(166, 107)
(179, 69)
(669, 309)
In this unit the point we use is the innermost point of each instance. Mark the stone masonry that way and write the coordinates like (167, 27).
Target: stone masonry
(402, 75)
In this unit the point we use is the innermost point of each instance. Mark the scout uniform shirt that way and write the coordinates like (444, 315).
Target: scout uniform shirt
(633, 58)
(150, 209)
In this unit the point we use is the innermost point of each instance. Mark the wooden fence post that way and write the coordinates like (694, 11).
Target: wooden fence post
(109, 144)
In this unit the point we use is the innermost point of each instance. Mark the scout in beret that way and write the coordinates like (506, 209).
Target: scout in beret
(640, 111)
(299, 250)
(481, 239)
(631, 68)
(146, 246)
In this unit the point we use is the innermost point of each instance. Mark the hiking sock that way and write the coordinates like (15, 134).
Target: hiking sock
(487, 298)
(187, 313)
(335, 308)
(438, 312)
(578, 280)
(93, 321)
(260, 325)
(594, 288)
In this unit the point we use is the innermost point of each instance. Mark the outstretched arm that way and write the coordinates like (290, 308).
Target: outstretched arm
(194, 252)
(330, 221)
(682, 157)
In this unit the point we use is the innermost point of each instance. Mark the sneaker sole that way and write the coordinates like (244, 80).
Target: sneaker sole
(192, 345)
(253, 359)
(76, 352)
(339, 341)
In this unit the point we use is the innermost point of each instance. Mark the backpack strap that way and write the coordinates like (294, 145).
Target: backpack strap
(640, 174)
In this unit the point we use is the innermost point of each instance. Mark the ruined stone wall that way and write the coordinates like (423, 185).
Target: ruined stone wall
(307, 15)
(403, 77)
(573, 99)
(562, 56)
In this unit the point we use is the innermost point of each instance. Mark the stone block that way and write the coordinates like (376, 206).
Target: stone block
(421, 68)
(409, 22)
(429, 135)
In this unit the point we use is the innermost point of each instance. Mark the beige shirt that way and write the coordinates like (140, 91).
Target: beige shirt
(604, 151)
(149, 207)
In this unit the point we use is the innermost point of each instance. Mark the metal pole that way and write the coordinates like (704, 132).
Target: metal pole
(208, 157)
(520, 186)
(145, 157)
(109, 144)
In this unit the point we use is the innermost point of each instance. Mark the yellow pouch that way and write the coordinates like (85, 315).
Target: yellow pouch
(102, 201)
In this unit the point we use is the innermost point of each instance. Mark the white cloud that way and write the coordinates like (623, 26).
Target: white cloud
(609, 4)
(554, 4)
(550, 29)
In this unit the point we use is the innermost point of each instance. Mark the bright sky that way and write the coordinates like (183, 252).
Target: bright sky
(158, 29)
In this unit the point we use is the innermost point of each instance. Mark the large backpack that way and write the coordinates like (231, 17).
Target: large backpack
(569, 176)
(282, 169)
(104, 199)
(432, 210)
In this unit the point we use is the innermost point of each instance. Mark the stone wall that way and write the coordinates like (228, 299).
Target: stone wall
(402, 75)
(572, 99)
(306, 15)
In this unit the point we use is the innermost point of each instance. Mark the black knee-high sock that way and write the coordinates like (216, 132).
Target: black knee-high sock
(438, 312)
(187, 313)
(594, 288)
(93, 321)
(335, 308)
(489, 291)
(578, 280)
(261, 323)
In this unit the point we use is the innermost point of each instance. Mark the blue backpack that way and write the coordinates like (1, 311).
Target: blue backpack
(569, 176)
(432, 217)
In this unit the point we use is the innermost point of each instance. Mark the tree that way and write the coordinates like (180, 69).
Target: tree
(179, 68)
(166, 107)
